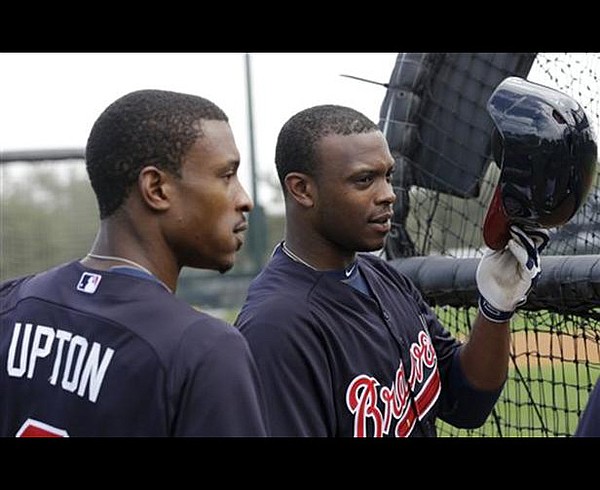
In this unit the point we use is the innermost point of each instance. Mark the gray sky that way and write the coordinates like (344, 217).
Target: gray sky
(51, 100)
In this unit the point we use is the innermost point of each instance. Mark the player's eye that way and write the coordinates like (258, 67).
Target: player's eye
(365, 178)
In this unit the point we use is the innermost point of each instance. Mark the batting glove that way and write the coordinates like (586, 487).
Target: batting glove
(505, 277)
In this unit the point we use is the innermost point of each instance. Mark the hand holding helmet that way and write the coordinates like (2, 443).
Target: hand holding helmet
(547, 155)
(505, 277)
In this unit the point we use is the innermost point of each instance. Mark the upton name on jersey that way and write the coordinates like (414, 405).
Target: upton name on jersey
(90, 353)
(78, 366)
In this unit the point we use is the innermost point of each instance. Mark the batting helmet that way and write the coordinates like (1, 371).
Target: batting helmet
(547, 154)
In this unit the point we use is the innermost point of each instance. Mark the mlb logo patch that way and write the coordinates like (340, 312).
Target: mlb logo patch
(88, 282)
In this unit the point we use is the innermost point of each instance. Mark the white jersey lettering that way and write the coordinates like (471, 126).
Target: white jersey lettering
(82, 371)
(404, 402)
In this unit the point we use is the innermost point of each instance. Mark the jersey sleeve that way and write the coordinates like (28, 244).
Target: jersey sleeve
(222, 395)
(463, 405)
(294, 372)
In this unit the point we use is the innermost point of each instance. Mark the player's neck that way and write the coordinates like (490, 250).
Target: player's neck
(316, 257)
(119, 261)
(292, 255)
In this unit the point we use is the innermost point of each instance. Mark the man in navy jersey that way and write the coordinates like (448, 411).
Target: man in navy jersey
(102, 346)
(346, 346)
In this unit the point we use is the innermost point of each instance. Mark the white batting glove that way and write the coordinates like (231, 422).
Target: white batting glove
(505, 277)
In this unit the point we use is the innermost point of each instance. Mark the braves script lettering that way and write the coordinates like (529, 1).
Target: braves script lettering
(376, 407)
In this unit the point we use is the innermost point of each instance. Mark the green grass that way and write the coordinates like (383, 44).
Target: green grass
(544, 395)
(537, 402)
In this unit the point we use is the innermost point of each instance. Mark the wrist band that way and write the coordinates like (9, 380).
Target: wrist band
(493, 314)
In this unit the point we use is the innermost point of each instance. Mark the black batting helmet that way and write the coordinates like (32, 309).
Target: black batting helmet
(547, 154)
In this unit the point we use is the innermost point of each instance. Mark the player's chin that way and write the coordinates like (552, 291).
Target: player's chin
(225, 266)
(224, 262)
(227, 260)
(374, 237)
(372, 243)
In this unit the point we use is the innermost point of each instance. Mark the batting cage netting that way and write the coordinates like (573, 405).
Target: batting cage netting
(435, 119)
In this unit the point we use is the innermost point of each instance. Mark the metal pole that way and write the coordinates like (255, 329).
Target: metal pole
(257, 225)
(251, 127)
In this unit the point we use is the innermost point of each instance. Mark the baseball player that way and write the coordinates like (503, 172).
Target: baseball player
(101, 346)
(346, 346)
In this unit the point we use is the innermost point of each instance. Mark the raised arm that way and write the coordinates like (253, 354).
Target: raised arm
(504, 279)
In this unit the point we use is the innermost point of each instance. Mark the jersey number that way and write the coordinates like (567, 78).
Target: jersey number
(35, 428)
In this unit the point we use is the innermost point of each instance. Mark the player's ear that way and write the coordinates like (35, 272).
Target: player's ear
(301, 188)
(153, 185)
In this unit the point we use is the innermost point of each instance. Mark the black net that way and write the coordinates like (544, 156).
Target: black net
(434, 117)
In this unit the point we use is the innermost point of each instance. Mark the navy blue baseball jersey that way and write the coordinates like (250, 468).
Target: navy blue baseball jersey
(589, 423)
(343, 361)
(85, 352)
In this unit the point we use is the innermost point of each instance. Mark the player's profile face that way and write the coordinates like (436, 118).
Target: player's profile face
(208, 219)
(355, 194)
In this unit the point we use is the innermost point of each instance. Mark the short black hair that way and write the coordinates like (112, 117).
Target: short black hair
(145, 127)
(298, 138)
